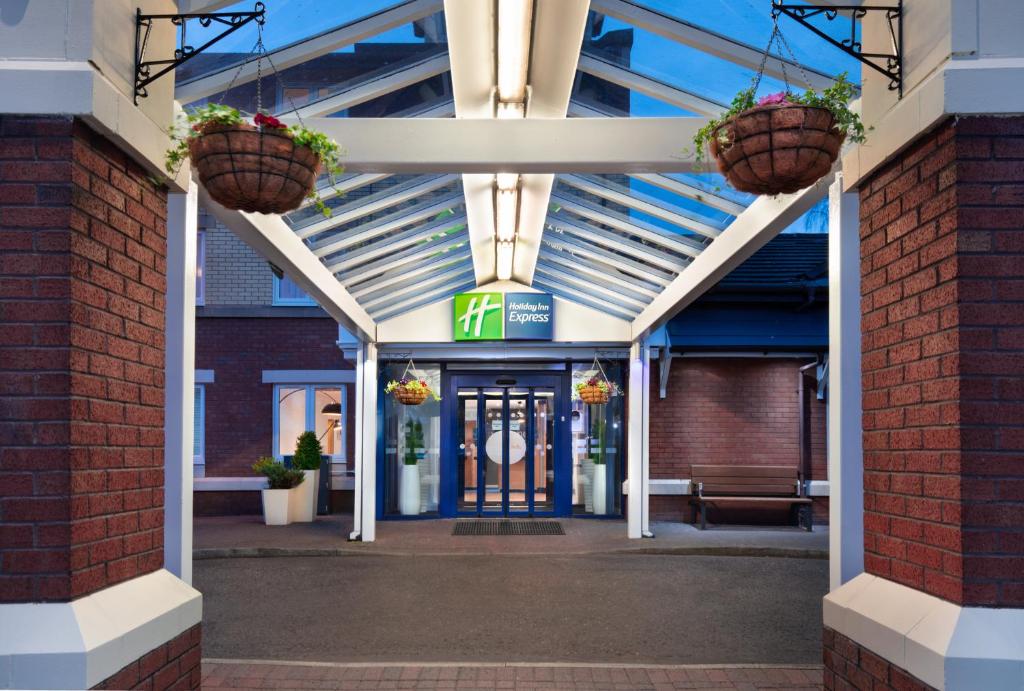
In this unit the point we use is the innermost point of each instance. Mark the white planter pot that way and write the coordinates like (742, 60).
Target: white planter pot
(600, 489)
(275, 506)
(303, 509)
(409, 491)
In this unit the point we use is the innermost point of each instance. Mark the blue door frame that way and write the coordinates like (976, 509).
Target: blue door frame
(452, 430)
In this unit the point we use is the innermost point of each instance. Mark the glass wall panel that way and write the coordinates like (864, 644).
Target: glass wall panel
(598, 446)
(291, 416)
(412, 446)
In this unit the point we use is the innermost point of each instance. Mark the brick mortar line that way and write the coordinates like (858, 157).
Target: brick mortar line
(499, 665)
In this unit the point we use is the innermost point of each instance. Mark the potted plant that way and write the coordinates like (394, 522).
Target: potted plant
(410, 391)
(307, 458)
(595, 390)
(281, 482)
(264, 166)
(409, 492)
(782, 142)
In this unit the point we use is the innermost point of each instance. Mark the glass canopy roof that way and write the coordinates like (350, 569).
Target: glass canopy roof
(397, 242)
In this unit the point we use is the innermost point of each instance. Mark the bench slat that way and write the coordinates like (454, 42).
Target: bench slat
(715, 488)
(777, 500)
(743, 471)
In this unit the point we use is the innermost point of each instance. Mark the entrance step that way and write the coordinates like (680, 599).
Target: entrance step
(478, 527)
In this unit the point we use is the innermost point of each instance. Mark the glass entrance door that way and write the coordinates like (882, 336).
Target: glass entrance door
(506, 450)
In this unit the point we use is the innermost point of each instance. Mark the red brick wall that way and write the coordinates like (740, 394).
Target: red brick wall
(942, 252)
(731, 411)
(175, 664)
(850, 666)
(82, 282)
(239, 407)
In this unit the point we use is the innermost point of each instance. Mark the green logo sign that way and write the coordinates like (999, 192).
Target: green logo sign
(479, 317)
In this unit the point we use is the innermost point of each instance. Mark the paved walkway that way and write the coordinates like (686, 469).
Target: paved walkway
(244, 674)
(327, 536)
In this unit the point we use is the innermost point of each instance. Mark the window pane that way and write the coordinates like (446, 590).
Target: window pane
(197, 422)
(291, 410)
(288, 290)
(200, 268)
(329, 419)
(412, 447)
(598, 438)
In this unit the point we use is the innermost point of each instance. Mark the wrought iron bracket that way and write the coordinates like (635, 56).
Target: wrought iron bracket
(144, 75)
(889, 64)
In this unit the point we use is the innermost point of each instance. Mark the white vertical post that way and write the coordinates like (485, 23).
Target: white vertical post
(645, 488)
(845, 441)
(365, 504)
(636, 441)
(179, 380)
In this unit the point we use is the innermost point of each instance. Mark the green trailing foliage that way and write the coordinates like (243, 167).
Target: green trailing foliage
(308, 452)
(836, 99)
(193, 123)
(278, 476)
(413, 441)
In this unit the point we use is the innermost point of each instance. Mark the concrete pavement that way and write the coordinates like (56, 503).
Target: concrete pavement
(609, 609)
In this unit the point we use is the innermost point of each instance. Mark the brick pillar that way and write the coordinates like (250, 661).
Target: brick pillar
(82, 284)
(942, 267)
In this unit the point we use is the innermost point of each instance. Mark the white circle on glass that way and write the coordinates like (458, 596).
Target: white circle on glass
(516, 447)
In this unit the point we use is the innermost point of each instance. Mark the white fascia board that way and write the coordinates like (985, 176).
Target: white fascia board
(229, 484)
(471, 35)
(79, 89)
(675, 487)
(78, 644)
(308, 49)
(940, 643)
(455, 145)
(270, 236)
(308, 376)
(661, 91)
(372, 88)
(478, 191)
(534, 199)
(765, 218)
(710, 42)
(558, 28)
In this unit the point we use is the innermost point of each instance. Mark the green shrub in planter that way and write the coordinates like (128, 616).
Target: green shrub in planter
(278, 476)
(307, 452)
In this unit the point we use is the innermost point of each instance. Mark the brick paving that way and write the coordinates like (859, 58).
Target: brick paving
(227, 675)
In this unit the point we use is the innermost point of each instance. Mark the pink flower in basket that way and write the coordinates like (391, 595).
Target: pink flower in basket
(774, 99)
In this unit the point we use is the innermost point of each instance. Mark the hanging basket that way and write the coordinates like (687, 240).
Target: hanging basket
(407, 396)
(245, 169)
(594, 394)
(776, 149)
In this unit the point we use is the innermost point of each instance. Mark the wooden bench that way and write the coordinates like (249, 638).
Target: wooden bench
(756, 484)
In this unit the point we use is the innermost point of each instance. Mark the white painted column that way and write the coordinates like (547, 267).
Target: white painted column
(638, 472)
(845, 452)
(179, 380)
(357, 452)
(365, 504)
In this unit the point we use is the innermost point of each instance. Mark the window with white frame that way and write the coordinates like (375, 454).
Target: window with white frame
(201, 268)
(318, 408)
(199, 432)
(287, 292)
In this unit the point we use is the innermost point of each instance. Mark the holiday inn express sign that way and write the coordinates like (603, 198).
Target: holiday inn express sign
(498, 316)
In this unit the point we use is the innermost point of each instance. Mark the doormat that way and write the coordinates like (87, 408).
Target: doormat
(508, 528)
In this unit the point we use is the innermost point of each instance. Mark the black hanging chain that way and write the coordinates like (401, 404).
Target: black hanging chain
(888, 64)
(144, 75)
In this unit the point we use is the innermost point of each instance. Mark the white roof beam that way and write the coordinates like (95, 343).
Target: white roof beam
(399, 275)
(455, 145)
(564, 243)
(619, 243)
(765, 218)
(403, 258)
(709, 42)
(424, 283)
(310, 48)
(634, 81)
(398, 241)
(374, 203)
(326, 190)
(427, 297)
(596, 272)
(270, 236)
(628, 224)
(674, 186)
(373, 87)
(382, 226)
(575, 295)
(598, 289)
(641, 202)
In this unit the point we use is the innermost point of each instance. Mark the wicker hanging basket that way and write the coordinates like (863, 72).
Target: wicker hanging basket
(776, 149)
(594, 394)
(407, 396)
(245, 169)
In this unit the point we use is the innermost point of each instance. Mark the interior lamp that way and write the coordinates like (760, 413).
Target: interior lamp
(504, 252)
(515, 18)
